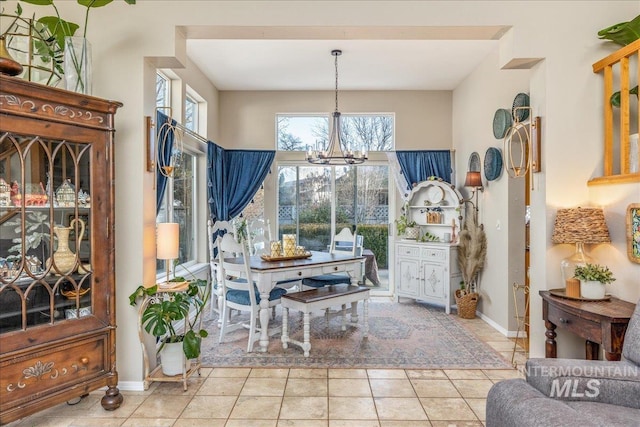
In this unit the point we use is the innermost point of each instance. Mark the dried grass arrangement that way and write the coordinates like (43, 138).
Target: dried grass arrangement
(472, 252)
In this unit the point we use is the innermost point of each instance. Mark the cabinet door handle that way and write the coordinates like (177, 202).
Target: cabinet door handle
(563, 320)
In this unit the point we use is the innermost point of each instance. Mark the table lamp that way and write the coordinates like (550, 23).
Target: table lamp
(579, 226)
(167, 243)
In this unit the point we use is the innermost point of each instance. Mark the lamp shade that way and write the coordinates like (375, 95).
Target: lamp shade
(473, 179)
(167, 240)
(580, 225)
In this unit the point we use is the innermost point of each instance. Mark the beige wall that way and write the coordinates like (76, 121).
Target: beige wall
(129, 42)
(422, 118)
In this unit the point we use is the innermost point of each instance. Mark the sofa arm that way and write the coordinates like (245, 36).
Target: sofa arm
(615, 383)
(514, 403)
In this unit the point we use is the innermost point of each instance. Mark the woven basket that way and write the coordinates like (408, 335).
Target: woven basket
(466, 303)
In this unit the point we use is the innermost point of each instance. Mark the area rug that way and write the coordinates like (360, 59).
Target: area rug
(408, 335)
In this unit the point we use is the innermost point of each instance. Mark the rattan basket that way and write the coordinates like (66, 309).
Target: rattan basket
(466, 303)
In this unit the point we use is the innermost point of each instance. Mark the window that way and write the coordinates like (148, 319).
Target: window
(179, 204)
(191, 114)
(315, 202)
(373, 132)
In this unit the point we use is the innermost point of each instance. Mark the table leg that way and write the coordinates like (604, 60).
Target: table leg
(613, 357)
(285, 327)
(551, 347)
(306, 345)
(592, 350)
(264, 286)
(344, 317)
(365, 310)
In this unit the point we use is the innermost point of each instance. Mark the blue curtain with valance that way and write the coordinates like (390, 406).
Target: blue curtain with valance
(418, 165)
(164, 144)
(234, 177)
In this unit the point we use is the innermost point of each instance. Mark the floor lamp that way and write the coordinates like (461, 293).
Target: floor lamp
(167, 244)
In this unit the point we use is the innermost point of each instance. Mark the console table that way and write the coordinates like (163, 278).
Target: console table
(598, 322)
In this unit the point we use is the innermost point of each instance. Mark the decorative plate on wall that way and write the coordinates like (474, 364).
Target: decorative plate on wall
(522, 114)
(474, 162)
(501, 122)
(492, 164)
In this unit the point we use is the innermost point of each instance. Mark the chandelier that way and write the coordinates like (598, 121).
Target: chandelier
(336, 153)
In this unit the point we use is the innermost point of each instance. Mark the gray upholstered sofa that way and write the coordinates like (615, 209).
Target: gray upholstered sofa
(568, 392)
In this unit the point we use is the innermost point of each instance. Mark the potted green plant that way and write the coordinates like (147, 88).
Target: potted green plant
(593, 278)
(165, 309)
(406, 227)
(76, 50)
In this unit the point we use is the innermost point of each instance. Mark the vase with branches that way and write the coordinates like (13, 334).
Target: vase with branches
(472, 253)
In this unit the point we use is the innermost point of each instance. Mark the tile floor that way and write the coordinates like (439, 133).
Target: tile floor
(246, 397)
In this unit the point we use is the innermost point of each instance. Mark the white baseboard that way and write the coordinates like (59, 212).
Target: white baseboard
(503, 331)
(131, 385)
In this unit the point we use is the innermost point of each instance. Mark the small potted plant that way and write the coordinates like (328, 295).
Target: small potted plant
(593, 278)
(160, 315)
(406, 227)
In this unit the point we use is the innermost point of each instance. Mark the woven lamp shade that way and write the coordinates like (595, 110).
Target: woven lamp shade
(580, 225)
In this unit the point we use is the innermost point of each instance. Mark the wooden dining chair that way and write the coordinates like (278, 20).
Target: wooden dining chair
(239, 291)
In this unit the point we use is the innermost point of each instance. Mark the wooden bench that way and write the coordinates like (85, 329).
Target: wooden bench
(319, 299)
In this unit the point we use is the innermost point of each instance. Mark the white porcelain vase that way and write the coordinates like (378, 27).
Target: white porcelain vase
(592, 289)
(172, 359)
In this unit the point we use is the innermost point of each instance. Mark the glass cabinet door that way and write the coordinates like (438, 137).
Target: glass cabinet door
(45, 231)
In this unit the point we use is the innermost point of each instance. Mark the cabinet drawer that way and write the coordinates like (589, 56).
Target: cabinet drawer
(28, 377)
(408, 251)
(434, 254)
(586, 329)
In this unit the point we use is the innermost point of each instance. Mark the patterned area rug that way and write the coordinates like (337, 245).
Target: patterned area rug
(408, 335)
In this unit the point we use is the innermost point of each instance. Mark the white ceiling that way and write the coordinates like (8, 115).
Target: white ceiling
(286, 64)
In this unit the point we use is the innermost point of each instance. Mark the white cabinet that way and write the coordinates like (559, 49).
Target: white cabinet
(428, 270)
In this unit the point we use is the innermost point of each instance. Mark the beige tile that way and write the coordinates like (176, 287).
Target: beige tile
(403, 423)
(302, 423)
(501, 345)
(502, 374)
(348, 373)
(349, 387)
(308, 373)
(161, 406)
(264, 387)
(387, 373)
(230, 372)
(304, 408)
(269, 373)
(251, 423)
(352, 408)
(456, 423)
(479, 407)
(172, 389)
(473, 388)
(191, 422)
(391, 388)
(224, 386)
(113, 422)
(354, 423)
(434, 388)
(209, 407)
(137, 422)
(306, 387)
(256, 407)
(426, 374)
(402, 408)
(447, 409)
(465, 374)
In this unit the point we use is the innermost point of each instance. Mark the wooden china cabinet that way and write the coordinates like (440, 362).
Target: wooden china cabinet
(57, 280)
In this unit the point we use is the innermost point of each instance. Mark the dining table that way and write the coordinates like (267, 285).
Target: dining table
(266, 273)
